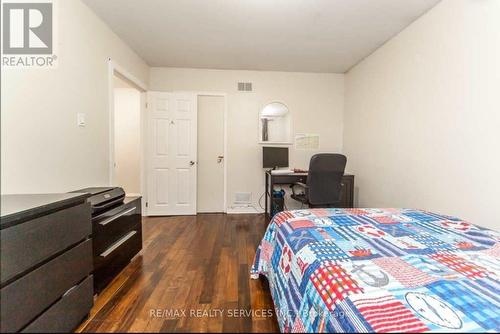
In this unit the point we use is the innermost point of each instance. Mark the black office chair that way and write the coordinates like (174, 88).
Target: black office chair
(324, 181)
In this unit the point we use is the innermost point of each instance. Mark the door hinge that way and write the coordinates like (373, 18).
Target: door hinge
(146, 204)
(147, 105)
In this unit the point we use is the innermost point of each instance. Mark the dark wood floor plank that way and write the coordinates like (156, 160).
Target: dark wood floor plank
(231, 323)
(169, 326)
(193, 264)
(244, 298)
(210, 274)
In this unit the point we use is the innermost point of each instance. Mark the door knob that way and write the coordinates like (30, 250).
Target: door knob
(220, 158)
(191, 163)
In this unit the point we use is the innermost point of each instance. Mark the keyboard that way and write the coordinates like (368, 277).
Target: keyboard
(281, 171)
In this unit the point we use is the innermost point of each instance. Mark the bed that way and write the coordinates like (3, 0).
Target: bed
(380, 270)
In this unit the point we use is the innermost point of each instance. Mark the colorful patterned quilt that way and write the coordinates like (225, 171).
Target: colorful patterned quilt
(380, 270)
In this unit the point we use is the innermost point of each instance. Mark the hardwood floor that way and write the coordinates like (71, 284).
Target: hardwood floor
(191, 276)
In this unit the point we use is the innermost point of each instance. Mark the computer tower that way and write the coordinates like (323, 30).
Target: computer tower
(277, 202)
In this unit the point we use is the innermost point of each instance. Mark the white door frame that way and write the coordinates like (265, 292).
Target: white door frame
(224, 95)
(113, 70)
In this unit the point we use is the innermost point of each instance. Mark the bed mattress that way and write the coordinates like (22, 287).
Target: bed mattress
(380, 270)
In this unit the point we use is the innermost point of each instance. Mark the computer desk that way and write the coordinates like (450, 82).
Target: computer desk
(347, 200)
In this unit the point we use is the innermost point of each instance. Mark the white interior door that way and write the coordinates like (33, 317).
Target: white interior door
(210, 153)
(172, 153)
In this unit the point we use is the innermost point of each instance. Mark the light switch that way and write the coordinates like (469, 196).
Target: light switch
(80, 119)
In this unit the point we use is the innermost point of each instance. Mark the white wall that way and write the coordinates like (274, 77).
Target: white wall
(43, 150)
(127, 132)
(422, 115)
(315, 102)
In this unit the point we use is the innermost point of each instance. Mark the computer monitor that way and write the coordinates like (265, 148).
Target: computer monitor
(274, 157)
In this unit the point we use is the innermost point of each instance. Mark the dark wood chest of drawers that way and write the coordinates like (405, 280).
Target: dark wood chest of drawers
(46, 262)
(117, 238)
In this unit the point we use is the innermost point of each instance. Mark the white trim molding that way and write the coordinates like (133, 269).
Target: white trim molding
(116, 70)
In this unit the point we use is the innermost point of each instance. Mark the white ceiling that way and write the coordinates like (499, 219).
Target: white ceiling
(281, 35)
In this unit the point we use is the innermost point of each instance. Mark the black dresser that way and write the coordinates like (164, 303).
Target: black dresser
(116, 231)
(117, 239)
(46, 262)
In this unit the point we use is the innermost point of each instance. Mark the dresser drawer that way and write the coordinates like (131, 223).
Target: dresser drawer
(123, 248)
(25, 298)
(26, 245)
(113, 225)
(67, 313)
(109, 263)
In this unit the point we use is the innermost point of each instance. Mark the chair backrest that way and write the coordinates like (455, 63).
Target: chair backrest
(325, 178)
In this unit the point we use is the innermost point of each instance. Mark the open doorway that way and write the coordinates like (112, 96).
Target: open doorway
(127, 101)
(127, 136)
